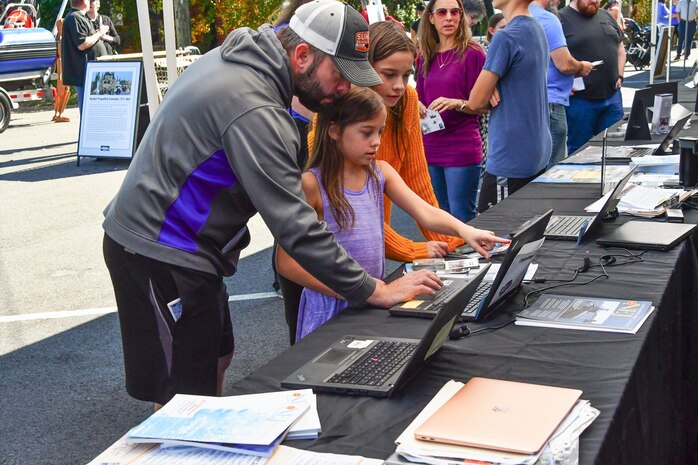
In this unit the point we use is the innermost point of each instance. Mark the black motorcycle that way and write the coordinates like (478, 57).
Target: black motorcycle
(637, 44)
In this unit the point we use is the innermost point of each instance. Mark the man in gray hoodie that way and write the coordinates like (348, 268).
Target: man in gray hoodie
(221, 148)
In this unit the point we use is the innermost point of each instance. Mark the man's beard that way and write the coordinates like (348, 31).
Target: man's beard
(587, 10)
(309, 90)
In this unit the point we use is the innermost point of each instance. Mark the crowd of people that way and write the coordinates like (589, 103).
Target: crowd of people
(178, 223)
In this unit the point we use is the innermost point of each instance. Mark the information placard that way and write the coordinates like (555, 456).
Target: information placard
(109, 115)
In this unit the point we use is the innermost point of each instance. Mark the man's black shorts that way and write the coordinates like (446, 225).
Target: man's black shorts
(163, 357)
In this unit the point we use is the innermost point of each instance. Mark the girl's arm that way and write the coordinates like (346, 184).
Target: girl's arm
(433, 218)
(285, 264)
(290, 269)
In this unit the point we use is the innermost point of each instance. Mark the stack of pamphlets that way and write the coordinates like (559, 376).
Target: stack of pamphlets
(581, 174)
(562, 445)
(121, 453)
(644, 201)
(252, 424)
(668, 164)
(586, 313)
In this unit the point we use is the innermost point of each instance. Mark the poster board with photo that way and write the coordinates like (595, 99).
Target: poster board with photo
(110, 107)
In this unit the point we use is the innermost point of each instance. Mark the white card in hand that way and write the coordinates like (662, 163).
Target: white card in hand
(432, 122)
(578, 84)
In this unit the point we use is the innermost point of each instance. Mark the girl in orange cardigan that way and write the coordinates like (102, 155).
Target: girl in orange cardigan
(392, 53)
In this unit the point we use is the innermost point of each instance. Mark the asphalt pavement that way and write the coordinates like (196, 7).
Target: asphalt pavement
(61, 369)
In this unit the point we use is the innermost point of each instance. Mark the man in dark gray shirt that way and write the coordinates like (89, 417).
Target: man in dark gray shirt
(222, 147)
(593, 35)
(80, 43)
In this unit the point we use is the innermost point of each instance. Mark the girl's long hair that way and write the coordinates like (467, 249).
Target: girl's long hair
(429, 38)
(387, 39)
(357, 105)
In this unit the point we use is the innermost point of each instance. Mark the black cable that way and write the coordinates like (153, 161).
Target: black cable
(492, 328)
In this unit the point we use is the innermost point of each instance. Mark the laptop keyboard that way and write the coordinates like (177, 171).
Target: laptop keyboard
(565, 225)
(378, 364)
(436, 302)
(480, 294)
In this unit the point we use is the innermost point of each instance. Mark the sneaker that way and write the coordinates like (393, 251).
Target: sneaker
(61, 119)
(677, 57)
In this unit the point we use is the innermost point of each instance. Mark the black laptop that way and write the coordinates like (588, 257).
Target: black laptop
(648, 235)
(579, 227)
(525, 243)
(623, 153)
(377, 366)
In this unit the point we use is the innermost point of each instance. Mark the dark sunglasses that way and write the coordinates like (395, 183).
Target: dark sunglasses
(442, 12)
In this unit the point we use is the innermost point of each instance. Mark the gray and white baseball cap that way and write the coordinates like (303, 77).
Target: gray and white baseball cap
(341, 32)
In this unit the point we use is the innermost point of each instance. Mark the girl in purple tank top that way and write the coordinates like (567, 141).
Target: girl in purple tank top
(345, 185)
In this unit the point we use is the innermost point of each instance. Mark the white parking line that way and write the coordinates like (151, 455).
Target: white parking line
(107, 310)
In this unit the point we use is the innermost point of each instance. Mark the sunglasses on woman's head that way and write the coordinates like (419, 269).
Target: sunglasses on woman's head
(442, 12)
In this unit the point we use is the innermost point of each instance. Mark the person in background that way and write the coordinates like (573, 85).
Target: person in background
(345, 184)
(513, 82)
(562, 70)
(663, 13)
(687, 27)
(496, 23)
(81, 42)
(474, 11)
(62, 91)
(447, 69)
(111, 39)
(593, 35)
(613, 8)
(674, 22)
(392, 54)
(415, 25)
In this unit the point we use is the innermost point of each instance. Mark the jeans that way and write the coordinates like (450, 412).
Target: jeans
(682, 33)
(456, 189)
(558, 132)
(80, 90)
(587, 117)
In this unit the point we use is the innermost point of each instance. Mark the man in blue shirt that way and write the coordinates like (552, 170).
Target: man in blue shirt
(561, 71)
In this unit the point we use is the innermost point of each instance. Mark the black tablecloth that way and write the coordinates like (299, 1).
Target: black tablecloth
(643, 384)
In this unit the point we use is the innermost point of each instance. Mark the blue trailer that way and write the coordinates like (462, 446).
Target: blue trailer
(27, 56)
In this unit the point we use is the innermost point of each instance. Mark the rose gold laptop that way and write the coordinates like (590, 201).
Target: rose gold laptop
(501, 415)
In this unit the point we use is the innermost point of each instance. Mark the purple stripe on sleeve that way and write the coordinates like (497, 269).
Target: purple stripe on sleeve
(188, 214)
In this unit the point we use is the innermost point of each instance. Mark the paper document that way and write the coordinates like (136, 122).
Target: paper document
(258, 420)
(642, 201)
(432, 122)
(121, 453)
(652, 160)
(578, 84)
(586, 313)
(582, 174)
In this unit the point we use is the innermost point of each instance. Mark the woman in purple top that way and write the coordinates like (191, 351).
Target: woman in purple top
(345, 185)
(446, 72)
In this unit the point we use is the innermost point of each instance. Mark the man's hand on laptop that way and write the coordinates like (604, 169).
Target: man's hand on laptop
(403, 289)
